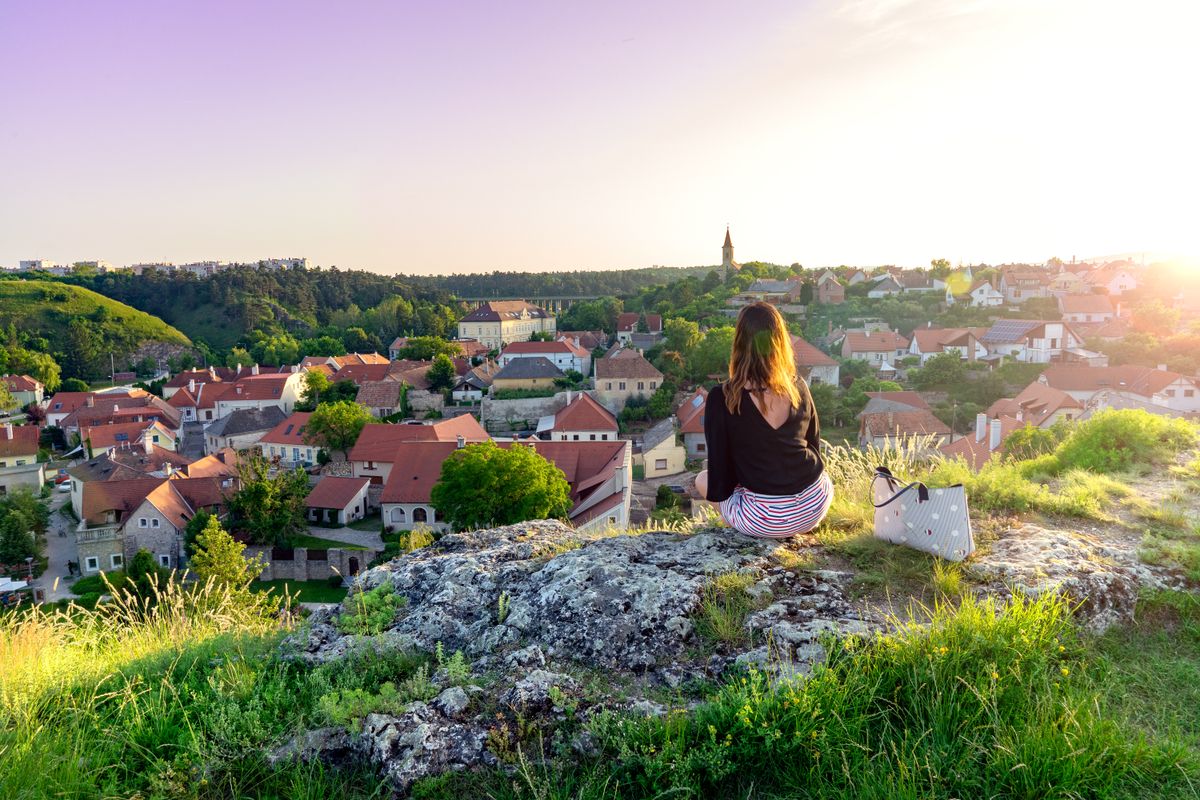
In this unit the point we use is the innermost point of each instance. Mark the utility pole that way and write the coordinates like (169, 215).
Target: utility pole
(112, 369)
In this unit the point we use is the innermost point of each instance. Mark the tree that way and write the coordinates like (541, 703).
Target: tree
(16, 541)
(711, 355)
(74, 385)
(825, 400)
(144, 575)
(219, 557)
(323, 346)
(426, 348)
(336, 426)
(7, 401)
(441, 373)
(943, 371)
(193, 529)
(315, 384)
(485, 484)
(680, 335)
(268, 509)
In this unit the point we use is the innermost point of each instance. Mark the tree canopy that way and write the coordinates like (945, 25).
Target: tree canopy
(268, 508)
(336, 426)
(485, 484)
(219, 557)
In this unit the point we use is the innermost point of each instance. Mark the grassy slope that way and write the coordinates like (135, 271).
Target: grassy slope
(35, 306)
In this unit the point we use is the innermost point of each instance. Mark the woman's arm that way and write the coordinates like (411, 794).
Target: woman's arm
(721, 478)
(813, 436)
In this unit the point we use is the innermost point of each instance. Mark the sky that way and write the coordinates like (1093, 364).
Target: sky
(463, 136)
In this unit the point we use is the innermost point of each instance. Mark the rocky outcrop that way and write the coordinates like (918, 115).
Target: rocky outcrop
(536, 605)
(1104, 576)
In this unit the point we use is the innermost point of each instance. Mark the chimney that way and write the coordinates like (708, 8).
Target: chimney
(91, 401)
(239, 369)
(192, 386)
(212, 373)
(891, 418)
(254, 370)
(981, 422)
(568, 397)
(295, 368)
(169, 468)
(237, 389)
(1162, 367)
(994, 442)
(147, 445)
(8, 433)
(460, 442)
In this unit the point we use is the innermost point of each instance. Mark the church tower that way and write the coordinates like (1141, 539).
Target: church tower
(727, 263)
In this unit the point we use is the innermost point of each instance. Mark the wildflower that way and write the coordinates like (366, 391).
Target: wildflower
(814, 734)
(1062, 649)
(995, 676)
(1065, 671)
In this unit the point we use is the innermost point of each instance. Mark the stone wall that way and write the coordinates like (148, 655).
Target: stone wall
(506, 416)
(309, 564)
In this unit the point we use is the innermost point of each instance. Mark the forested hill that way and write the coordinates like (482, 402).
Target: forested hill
(244, 305)
(579, 283)
(78, 327)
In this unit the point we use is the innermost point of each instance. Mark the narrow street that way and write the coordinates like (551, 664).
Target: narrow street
(60, 548)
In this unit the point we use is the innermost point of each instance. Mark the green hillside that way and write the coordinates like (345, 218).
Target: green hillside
(78, 326)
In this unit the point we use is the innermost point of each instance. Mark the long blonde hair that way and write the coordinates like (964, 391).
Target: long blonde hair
(762, 357)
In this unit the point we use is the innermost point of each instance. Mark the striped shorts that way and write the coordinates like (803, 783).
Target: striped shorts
(770, 516)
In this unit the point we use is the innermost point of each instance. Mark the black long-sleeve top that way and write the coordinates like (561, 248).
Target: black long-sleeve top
(744, 450)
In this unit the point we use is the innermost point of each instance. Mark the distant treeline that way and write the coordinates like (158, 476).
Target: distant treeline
(580, 283)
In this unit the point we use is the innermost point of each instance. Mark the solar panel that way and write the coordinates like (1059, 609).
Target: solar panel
(1007, 330)
(697, 401)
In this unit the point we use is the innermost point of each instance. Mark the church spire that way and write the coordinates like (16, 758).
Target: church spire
(728, 241)
(727, 262)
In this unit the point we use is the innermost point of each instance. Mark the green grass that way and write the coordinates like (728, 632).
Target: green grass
(45, 308)
(369, 524)
(303, 591)
(986, 700)
(724, 605)
(317, 543)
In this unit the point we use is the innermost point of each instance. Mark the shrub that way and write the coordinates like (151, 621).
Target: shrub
(371, 611)
(1119, 440)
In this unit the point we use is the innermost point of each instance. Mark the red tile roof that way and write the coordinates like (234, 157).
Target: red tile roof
(1140, 380)
(584, 414)
(976, 454)
(628, 365)
(19, 440)
(121, 496)
(902, 423)
(66, 402)
(874, 342)
(221, 464)
(21, 383)
(335, 492)
(127, 434)
(380, 442)
(379, 394)
(257, 387)
(908, 398)
(586, 466)
(691, 412)
(1036, 403)
(359, 358)
(499, 310)
(288, 432)
(1086, 304)
(360, 373)
(808, 355)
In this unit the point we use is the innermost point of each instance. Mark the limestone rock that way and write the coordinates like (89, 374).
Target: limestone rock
(1103, 576)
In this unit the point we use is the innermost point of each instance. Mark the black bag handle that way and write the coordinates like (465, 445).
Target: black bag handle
(886, 474)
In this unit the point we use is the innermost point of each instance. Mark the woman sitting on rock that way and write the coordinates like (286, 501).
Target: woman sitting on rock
(764, 460)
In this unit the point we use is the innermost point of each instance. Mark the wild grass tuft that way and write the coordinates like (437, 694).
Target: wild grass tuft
(724, 605)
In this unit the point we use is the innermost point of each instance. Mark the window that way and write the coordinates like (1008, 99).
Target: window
(295, 454)
(164, 560)
(608, 385)
(398, 515)
(91, 563)
(142, 522)
(621, 386)
(653, 384)
(660, 463)
(700, 447)
(641, 386)
(1169, 392)
(593, 437)
(420, 515)
(116, 559)
(1189, 392)
(154, 523)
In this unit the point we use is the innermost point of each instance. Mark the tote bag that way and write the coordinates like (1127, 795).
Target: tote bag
(933, 521)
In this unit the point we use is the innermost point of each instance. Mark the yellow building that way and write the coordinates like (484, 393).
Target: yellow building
(527, 373)
(501, 322)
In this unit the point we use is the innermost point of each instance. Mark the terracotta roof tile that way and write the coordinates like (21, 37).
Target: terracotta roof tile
(584, 414)
(335, 492)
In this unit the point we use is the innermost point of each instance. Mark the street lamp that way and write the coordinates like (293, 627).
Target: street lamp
(29, 563)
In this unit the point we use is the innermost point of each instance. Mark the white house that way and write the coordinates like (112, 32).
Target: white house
(984, 295)
(563, 354)
(1086, 307)
(1030, 341)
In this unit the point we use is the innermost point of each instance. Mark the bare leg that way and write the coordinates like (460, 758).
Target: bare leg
(702, 484)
